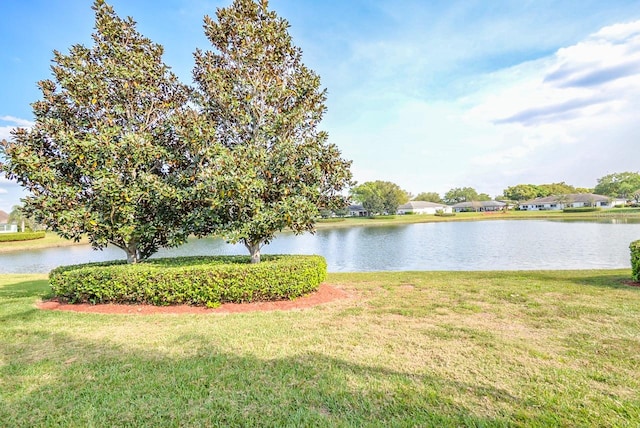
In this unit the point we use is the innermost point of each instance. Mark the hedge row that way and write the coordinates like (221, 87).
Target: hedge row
(635, 260)
(201, 281)
(581, 210)
(20, 236)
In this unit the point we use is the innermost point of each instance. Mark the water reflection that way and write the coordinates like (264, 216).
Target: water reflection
(481, 245)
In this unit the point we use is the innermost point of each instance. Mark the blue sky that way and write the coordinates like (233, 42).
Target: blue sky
(431, 95)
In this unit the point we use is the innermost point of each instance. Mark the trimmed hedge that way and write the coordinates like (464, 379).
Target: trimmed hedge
(20, 236)
(581, 210)
(443, 214)
(635, 260)
(330, 220)
(199, 281)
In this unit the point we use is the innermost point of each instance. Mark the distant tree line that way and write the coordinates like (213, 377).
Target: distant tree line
(384, 197)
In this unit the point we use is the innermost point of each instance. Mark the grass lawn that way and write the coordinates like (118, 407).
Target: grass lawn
(550, 348)
(630, 213)
(51, 239)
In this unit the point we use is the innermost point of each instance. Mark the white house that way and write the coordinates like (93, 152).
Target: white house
(483, 206)
(573, 200)
(357, 211)
(423, 207)
(8, 228)
(4, 223)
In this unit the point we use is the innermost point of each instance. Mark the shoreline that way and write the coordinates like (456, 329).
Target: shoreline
(52, 240)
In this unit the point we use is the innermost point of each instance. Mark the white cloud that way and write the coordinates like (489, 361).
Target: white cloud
(571, 116)
(12, 122)
(569, 112)
(17, 121)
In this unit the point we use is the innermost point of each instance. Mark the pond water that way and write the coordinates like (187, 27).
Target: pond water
(473, 245)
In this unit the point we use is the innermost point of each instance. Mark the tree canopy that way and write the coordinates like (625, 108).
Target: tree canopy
(17, 216)
(619, 185)
(428, 197)
(99, 158)
(379, 197)
(464, 194)
(525, 192)
(260, 110)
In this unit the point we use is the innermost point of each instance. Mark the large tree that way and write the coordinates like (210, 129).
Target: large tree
(523, 192)
(100, 156)
(17, 216)
(618, 185)
(464, 194)
(429, 197)
(561, 188)
(260, 108)
(379, 197)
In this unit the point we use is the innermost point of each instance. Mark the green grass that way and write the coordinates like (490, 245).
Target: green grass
(550, 348)
(50, 240)
(471, 216)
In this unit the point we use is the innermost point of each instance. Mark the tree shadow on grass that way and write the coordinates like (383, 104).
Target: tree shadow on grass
(35, 288)
(102, 385)
(617, 278)
(14, 295)
(606, 281)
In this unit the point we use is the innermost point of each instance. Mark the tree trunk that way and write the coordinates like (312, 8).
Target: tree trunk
(254, 250)
(22, 228)
(133, 255)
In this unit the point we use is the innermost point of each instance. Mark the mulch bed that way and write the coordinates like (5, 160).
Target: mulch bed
(326, 293)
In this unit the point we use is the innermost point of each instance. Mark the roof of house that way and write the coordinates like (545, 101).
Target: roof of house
(482, 204)
(569, 198)
(355, 207)
(413, 205)
(4, 217)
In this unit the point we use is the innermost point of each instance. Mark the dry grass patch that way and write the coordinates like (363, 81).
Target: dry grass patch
(409, 349)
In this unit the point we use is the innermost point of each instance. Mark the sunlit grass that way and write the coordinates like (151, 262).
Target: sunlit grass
(50, 240)
(473, 216)
(407, 349)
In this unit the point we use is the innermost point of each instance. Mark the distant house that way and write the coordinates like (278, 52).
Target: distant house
(423, 207)
(574, 200)
(4, 226)
(479, 206)
(357, 211)
(8, 228)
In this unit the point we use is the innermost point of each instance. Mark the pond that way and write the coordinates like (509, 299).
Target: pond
(473, 245)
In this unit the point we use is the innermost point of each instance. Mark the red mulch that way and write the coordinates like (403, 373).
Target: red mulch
(632, 283)
(325, 293)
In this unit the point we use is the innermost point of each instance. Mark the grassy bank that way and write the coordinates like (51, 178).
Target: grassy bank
(408, 349)
(629, 213)
(50, 240)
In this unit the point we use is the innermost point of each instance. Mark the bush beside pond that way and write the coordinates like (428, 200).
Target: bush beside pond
(581, 210)
(20, 236)
(635, 260)
(201, 281)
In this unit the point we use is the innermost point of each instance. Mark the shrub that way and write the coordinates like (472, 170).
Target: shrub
(635, 260)
(330, 220)
(21, 236)
(441, 213)
(201, 281)
(581, 210)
